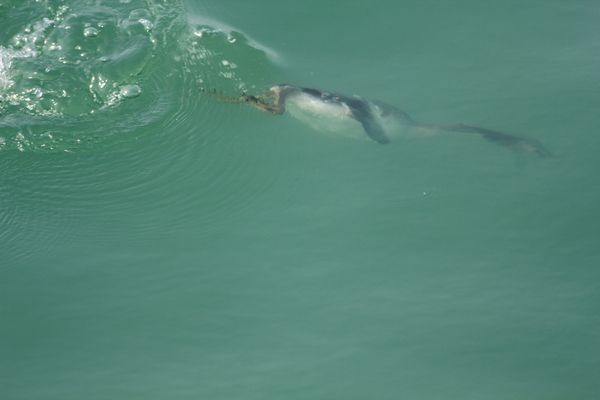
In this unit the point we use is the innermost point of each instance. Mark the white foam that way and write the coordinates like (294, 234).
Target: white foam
(5, 63)
(27, 44)
(195, 20)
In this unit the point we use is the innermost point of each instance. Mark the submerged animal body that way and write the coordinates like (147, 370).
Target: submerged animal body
(378, 120)
(329, 110)
(323, 115)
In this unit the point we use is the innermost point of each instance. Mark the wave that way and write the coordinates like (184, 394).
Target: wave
(101, 110)
(74, 66)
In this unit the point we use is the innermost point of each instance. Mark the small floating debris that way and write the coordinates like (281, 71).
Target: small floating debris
(129, 91)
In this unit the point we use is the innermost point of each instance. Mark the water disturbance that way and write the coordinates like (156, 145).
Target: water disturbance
(160, 238)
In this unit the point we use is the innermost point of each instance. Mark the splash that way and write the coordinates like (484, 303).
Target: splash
(213, 25)
(101, 109)
(5, 63)
(69, 62)
(71, 67)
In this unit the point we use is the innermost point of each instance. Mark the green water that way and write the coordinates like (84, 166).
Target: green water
(157, 243)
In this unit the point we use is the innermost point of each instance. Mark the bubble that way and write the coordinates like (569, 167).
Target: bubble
(90, 32)
(5, 64)
(204, 31)
(231, 39)
(129, 91)
(62, 10)
(146, 24)
(20, 141)
(19, 41)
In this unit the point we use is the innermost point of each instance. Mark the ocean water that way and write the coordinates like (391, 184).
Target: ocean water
(161, 241)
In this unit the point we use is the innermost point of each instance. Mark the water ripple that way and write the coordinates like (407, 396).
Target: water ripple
(102, 121)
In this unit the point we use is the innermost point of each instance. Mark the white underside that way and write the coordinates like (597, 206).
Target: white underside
(336, 118)
(323, 116)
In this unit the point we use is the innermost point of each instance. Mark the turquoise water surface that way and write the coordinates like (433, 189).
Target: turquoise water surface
(160, 241)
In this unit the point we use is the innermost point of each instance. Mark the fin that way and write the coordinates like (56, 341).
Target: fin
(362, 113)
(388, 109)
(504, 139)
(374, 130)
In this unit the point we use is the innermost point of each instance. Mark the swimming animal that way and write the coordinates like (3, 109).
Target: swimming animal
(379, 121)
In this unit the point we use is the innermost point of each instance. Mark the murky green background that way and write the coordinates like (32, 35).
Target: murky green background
(157, 243)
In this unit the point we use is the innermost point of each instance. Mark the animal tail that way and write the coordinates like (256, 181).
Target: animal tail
(504, 139)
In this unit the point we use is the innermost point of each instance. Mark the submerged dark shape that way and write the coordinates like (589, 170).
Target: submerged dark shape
(371, 114)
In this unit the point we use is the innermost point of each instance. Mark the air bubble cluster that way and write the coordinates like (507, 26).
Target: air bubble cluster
(90, 31)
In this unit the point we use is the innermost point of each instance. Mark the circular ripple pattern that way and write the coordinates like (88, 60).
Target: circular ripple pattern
(104, 131)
